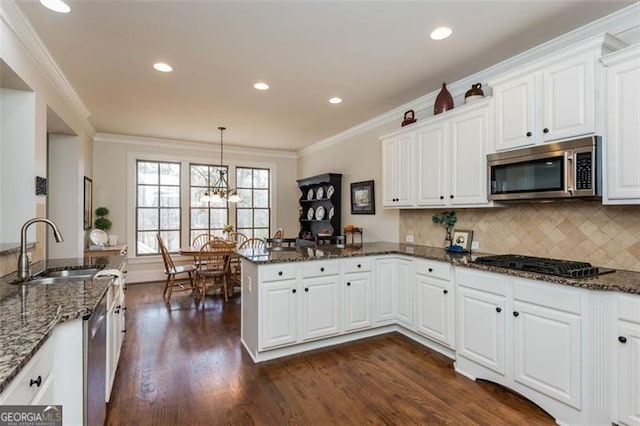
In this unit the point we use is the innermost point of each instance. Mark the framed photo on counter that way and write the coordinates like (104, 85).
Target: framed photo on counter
(462, 238)
(363, 198)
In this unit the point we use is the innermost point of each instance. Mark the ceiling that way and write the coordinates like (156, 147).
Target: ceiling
(374, 55)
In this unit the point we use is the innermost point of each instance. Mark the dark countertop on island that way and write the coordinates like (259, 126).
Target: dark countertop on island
(28, 313)
(622, 281)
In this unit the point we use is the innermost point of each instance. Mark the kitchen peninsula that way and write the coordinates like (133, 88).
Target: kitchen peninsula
(479, 315)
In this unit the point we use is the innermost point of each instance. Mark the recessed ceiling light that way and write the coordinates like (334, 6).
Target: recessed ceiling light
(56, 5)
(441, 33)
(162, 67)
(335, 100)
(261, 86)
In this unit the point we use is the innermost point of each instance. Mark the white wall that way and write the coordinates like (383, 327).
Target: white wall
(65, 195)
(114, 158)
(17, 163)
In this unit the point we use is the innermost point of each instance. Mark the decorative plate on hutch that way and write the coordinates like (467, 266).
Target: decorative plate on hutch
(330, 191)
(320, 193)
(320, 213)
(310, 194)
(310, 213)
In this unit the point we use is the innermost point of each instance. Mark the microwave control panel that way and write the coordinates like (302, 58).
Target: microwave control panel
(584, 172)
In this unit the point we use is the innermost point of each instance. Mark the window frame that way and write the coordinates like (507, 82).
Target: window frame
(252, 188)
(210, 180)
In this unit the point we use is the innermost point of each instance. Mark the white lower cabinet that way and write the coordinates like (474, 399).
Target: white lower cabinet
(278, 305)
(394, 291)
(357, 289)
(628, 353)
(481, 328)
(435, 302)
(320, 307)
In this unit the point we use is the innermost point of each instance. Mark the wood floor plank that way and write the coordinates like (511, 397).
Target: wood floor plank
(185, 365)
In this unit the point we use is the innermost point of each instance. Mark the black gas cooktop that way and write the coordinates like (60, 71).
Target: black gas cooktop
(541, 265)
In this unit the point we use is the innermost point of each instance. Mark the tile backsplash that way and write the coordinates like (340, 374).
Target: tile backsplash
(576, 230)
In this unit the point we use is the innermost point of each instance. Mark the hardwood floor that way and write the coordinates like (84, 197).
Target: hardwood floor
(185, 366)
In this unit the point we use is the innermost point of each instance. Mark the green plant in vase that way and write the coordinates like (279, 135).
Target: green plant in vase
(102, 222)
(447, 220)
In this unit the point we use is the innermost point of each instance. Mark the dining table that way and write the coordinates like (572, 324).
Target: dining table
(232, 262)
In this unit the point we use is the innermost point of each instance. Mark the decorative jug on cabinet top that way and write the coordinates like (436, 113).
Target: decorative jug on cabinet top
(444, 101)
(474, 94)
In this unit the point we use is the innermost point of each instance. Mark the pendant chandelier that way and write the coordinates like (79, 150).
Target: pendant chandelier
(220, 190)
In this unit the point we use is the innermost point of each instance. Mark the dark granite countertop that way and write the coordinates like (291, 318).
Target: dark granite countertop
(623, 281)
(29, 312)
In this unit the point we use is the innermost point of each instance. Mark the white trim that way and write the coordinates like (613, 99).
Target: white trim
(614, 23)
(622, 55)
(24, 31)
(202, 146)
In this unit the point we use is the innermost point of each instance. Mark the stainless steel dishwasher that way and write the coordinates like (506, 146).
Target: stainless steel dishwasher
(95, 361)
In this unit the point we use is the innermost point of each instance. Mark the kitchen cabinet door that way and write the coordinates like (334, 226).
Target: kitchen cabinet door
(320, 307)
(515, 113)
(622, 147)
(569, 98)
(385, 293)
(404, 288)
(547, 351)
(628, 342)
(431, 146)
(398, 170)
(435, 309)
(357, 301)
(481, 328)
(469, 149)
(278, 307)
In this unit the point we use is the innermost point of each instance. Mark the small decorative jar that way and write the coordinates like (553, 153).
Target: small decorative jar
(474, 94)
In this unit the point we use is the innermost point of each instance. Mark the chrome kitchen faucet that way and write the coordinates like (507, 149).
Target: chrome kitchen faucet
(24, 267)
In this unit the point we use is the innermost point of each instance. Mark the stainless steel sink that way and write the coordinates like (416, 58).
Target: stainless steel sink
(59, 276)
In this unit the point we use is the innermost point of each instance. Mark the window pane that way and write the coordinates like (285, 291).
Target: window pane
(196, 196)
(199, 175)
(147, 243)
(147, 196)
(261, 233)
(246, 231)
(147, 172)
(245, 219)
(261, 198)
(245, 198)
(218, 218)
(169, 174)
(147, 219)
(211, 216)
(243, 178)
(261, 178)
(261, 218)
(170, 218)
(170, 196)
(199, 218)
(172, 240)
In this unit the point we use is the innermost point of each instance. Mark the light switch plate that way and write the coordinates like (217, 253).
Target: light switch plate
(475, 245)
(408, 238)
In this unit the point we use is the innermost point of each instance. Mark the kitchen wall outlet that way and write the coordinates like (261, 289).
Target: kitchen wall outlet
(475, 245)
(408, 238)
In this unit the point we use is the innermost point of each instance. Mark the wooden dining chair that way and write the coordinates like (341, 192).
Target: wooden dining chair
(200, 240)
(213, 267)
(256, 244)
(172, 271)
(238, 238)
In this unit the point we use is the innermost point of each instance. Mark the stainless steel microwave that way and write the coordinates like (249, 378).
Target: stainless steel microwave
(555, 170)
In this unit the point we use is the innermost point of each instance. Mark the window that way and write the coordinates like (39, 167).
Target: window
(253, 212)
(205, 217)
(157, 206)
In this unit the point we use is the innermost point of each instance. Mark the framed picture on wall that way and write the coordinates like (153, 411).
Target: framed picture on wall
(88, 203)
(363, 198)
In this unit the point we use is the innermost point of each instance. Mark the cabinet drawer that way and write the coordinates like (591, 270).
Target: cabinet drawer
(434, 269)
(278, 272)
(20, 391)
(480, 280)
(321, 268)
(548, 295)
(360, 264)
(629, 308)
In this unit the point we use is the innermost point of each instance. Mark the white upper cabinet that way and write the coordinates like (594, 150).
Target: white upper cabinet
(622, 144)
(551, 103)
(442, 161)
(397, 170)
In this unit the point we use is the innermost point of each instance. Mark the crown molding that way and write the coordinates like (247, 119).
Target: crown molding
(180, 144)
(18, 23)
(615, 23)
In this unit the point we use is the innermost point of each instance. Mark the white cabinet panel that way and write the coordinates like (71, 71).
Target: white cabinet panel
(435, 309)
(432, 159)
(320, 307)
(629, 373)
(547, 347)
(515, 113)
(481, 328)
(357, 301)
(398, 170)
(278, 302)
(404, 290)
(384, 300)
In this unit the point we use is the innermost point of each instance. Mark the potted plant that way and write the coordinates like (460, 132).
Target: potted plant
(102, 222)
(446, 219)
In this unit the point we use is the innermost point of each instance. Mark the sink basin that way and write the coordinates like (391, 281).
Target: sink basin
(60, 276)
